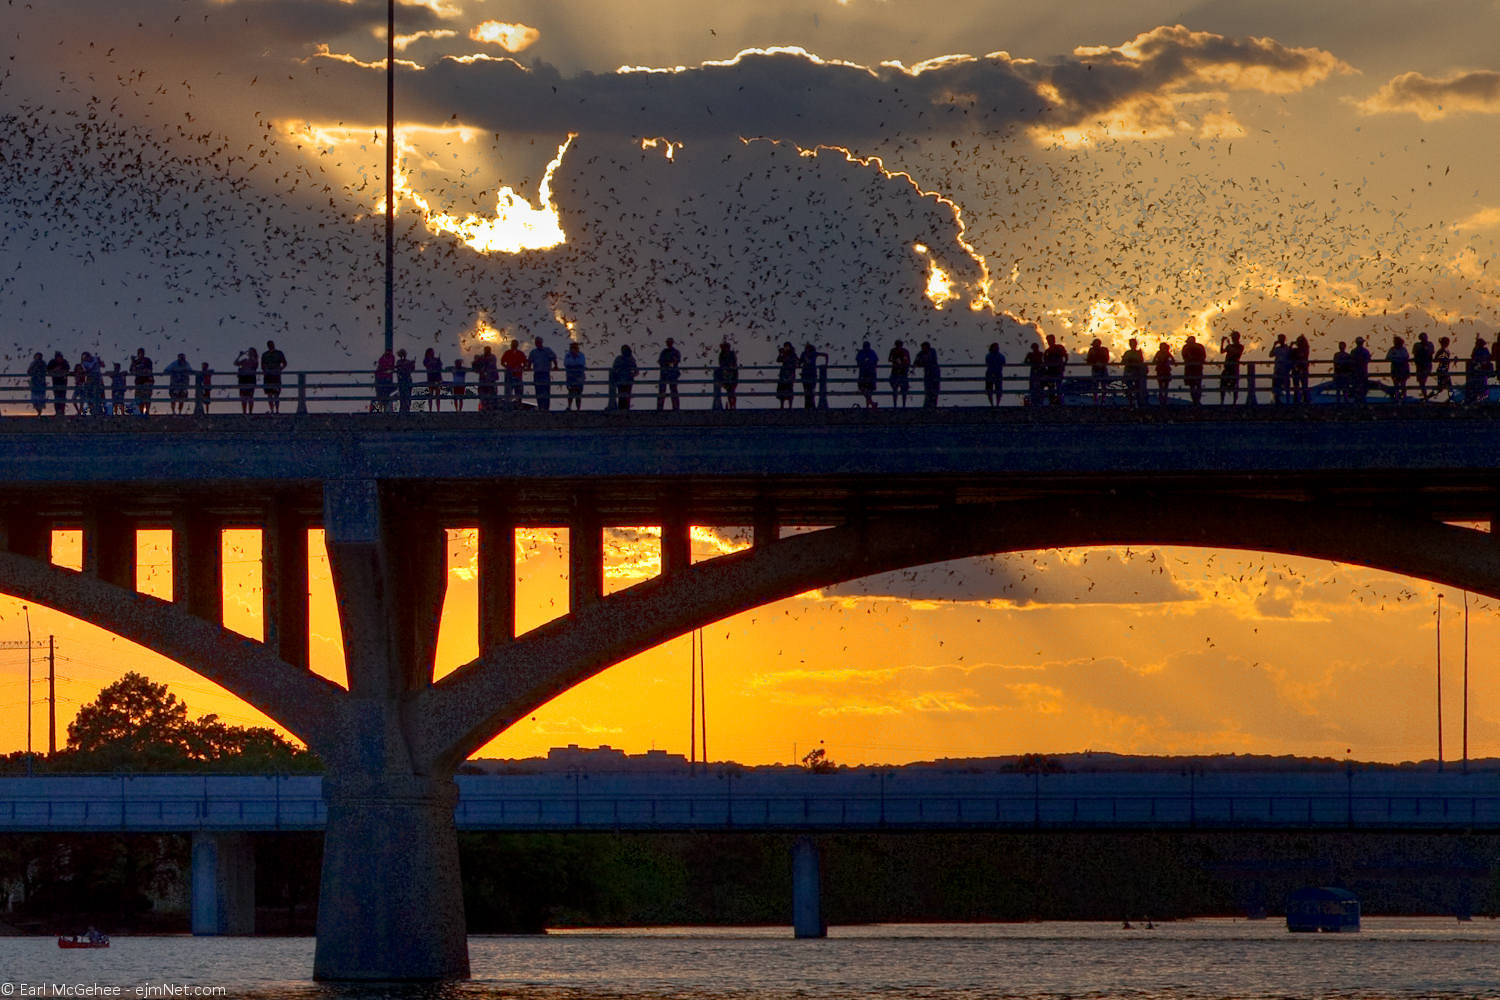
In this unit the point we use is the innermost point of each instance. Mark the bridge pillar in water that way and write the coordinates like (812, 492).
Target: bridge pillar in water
(807, 890)
(390, 906)
(223, 883)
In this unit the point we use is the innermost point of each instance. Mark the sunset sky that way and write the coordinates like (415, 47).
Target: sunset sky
(200, 175)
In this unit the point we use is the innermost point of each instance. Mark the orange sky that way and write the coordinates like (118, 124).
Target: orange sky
(1138, 651)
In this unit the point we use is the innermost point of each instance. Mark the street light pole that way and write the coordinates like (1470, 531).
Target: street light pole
(27, 612)
(390, 174)
(1440, 681)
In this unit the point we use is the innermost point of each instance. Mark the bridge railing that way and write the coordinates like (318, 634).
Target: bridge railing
(749, 387)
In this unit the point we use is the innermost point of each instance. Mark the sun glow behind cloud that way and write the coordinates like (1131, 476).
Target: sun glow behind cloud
(510, 37)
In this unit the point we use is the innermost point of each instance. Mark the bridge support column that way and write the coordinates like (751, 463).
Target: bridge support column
(26, 535)
(766, 528)
(197, 565)
(284, 586)
(109, 548)
(391, 903)
(807, 891)
(585, 558)
(497, 579)
(676, 544)
(223, 883)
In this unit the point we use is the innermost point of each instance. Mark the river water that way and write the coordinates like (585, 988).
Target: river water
(1191, 960)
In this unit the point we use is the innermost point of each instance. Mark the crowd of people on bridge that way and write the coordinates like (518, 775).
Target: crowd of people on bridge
(1423, 372)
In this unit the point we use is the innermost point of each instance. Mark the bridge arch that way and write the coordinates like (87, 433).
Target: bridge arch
(299, 700)
(481, 699)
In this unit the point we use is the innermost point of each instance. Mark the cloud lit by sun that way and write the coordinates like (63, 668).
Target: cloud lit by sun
(510, 37)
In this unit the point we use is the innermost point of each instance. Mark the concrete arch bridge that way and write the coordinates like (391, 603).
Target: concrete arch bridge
(1410, 492)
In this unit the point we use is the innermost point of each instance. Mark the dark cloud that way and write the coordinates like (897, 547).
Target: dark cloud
(1430, 98)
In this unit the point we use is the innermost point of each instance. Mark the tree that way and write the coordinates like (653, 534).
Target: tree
(818, 762)
(137, 724)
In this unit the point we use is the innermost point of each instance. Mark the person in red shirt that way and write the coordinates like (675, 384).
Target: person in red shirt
(515, 364)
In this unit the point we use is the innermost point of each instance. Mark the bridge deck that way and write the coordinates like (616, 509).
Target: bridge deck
(1441, 462)
(791, 801)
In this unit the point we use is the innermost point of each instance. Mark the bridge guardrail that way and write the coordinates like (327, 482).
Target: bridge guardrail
(756, 386)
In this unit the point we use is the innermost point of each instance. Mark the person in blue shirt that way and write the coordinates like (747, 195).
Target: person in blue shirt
(575, 371)
(622, 378)
(866, 363)
(543, 362)
(994, 375)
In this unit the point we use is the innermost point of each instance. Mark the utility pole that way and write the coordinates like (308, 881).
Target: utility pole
(1440, 681)
(51, 696)
(27, 612)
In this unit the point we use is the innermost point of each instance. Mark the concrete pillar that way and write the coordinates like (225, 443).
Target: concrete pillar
(391, 903)
(497, 579)
(223, 883)
(585, 557)
(807, 891)
(284, 586)
(417, 561)
(26, 535)
(109, 547)
(197, 564)
(676, 543)
(765, 529)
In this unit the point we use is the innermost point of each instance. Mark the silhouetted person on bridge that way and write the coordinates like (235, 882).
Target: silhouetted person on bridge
(622, 375)
(141, 368)
(727, 375)
(1036, 375)
(433, 366)
(59, 369)
(543, 362)
(460, 374)
(1421, 362)
(668, 371)
(178, 373)
(272, 364)
(994, 375)
(117, 376)
(1359, 371)
(246, 363)
(36, 376)
(487, 374)
(1229, 375)
(385, 382)
(809, 363)
(1097, 359)
(204, 389)
(1442, 361)
(1477, 375)
(1400, 362)
(405, 367)
(1055, 358)
(1133, 364)
(1343, 374)
(1281, 370)
(1194, 356)
(93, 376)
(575, 372)
(513, 362)
(1163, 362)
(866, 373)
(1301, 352)
(932, 375)
(899, 378)
(786, 375)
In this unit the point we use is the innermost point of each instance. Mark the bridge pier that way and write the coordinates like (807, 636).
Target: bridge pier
(807, 891)
(223, 881)
(391, 904)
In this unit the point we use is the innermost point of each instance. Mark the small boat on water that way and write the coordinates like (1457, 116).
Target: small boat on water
(94, 941)
(1322, 908)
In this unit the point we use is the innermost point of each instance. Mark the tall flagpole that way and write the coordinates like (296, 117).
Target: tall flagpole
(390, 174)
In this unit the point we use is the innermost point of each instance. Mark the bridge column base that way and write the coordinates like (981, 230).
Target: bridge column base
(807, 891)
(391, 903)
(223, 884)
